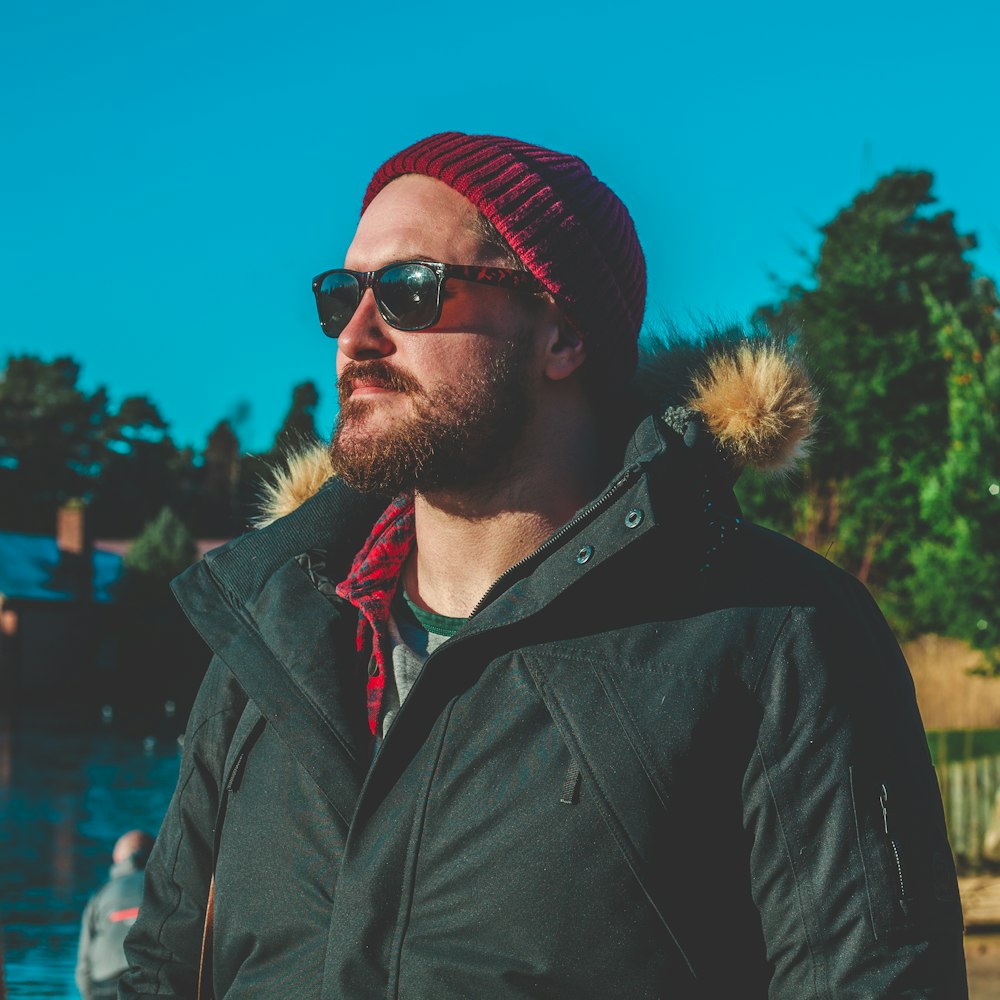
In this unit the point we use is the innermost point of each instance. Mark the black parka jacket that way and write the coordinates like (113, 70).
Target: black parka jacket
(671, 755)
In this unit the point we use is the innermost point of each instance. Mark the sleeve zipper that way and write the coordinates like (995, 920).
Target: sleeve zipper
(893, 848)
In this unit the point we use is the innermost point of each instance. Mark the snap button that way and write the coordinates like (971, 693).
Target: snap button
(633, 518)
(584, 554)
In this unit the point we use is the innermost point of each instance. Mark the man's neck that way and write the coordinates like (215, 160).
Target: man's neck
(465, 542)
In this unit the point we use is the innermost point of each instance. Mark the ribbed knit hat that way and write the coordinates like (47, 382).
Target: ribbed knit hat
(570, 230)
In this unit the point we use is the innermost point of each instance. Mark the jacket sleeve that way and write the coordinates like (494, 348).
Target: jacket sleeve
(164, 945)
(850, 864)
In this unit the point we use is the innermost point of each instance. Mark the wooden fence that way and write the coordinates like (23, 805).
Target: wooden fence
(968, 789)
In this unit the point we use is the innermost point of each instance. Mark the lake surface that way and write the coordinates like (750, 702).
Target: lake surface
(68, 789)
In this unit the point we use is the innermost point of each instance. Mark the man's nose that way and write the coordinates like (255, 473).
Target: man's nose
(366, 335)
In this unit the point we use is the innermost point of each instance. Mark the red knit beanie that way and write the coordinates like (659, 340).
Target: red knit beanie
(568, 228)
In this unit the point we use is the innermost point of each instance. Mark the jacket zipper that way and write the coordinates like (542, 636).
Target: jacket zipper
(237, 773)
(893, 846)
(624, 480)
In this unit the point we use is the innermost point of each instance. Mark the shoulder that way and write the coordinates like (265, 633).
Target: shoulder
(829, 644)
(335, 520)
(795, 609)
(782, 571)
(764, 569)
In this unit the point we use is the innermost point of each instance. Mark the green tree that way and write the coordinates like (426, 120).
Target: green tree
(299, 426)
(51, 440)
(58, 441)
(218, 512)
(866, 328)
(142, 470)
(297, 432)
(955, 586)
(164, 548)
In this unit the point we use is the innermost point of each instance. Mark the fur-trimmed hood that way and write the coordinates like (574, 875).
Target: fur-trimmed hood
(750, 393)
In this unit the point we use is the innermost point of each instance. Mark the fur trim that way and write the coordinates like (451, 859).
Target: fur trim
(750, 391)
(293, 482)
(758, 404)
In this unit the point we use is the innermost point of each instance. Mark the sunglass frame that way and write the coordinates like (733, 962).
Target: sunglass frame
(501, 277)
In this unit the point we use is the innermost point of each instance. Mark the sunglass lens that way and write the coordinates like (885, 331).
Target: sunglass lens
(337, 299)
(408, 295)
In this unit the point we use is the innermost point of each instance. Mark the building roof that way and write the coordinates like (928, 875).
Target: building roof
(32, 568)
(120, 546)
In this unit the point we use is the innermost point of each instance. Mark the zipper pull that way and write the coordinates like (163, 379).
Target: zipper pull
(883, 799)
(571, 786)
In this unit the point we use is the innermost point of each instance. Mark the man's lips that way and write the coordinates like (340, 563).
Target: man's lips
(373, 378)
(369, 389)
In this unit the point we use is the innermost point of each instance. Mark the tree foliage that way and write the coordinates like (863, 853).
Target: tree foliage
(218, 513)
(141, 471)
(163, 549)
(58, 441)
(299, 426)
(51, 438)
(899, 336)
(955, 585)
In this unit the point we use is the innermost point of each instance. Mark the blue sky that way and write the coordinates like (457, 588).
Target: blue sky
(173, 175)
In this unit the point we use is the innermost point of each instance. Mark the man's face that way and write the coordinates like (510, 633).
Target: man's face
(441, 409)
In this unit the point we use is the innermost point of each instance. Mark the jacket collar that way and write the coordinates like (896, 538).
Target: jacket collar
(286, 642)
(666, 475)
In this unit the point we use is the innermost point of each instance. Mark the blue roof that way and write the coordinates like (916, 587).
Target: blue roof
(30, 570)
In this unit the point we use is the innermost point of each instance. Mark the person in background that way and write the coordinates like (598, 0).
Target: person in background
(109, 914)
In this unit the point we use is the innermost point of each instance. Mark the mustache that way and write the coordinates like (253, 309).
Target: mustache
(378, 373)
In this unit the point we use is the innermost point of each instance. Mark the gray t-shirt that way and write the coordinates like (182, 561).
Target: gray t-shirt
(413, 641)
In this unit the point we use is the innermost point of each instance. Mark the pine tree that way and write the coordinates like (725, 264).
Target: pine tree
(218, 509)
(298, 429)
(51, 440)
(143, 470)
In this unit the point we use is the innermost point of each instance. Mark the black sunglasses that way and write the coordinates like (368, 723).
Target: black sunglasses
(408, 294)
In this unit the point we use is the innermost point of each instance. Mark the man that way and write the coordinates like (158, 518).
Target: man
(109, 915)
(515, 705)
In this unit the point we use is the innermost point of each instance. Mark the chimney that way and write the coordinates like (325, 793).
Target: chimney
(75, 571)
(70, 528)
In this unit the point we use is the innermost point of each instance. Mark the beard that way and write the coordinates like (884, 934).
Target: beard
(460, 437)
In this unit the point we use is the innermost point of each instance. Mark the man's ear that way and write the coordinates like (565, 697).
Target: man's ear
(564, 349)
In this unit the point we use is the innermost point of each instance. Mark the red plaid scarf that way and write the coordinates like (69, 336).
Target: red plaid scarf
(371, 586)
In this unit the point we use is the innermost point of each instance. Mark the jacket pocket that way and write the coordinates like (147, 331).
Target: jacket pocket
(885, 841)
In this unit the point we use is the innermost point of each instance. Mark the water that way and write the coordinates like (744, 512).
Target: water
(67, 791)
